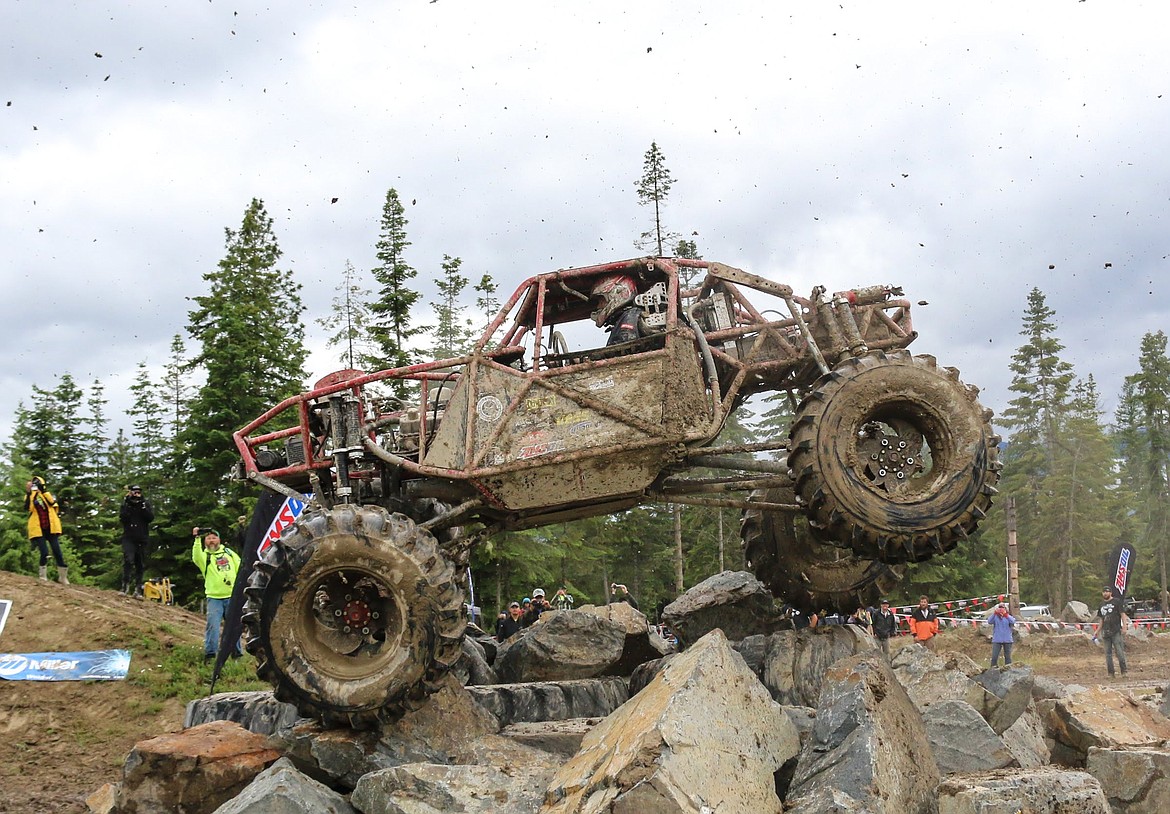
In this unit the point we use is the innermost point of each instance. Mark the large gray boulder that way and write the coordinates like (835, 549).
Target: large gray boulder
(1135, 781)
(641, 644)
(795, 661)
(644, 673)
(1076, 612)
(928, 679)
(1009, 693)
(962, 741)
(559, 738)
(1036, 791)
(256, 711)
(563, 645)
(868, 745)
(427, 788)
(1025, 740)
(703, 736)
(281, 788)
(448, 721)
(551, 700)
(1103, 718)
(472, 666)
(733, 601)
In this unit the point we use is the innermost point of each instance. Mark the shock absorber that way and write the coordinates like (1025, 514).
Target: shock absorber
(346, 424)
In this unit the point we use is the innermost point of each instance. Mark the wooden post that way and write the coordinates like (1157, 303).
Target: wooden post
(1013, 559)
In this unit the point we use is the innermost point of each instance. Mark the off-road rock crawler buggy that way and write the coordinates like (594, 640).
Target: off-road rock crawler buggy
(356, 610)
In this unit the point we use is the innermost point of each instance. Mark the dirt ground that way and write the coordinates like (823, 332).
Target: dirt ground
(60, 741)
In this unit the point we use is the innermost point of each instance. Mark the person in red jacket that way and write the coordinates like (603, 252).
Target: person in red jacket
(924, 623)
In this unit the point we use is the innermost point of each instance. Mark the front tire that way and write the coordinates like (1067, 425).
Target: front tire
(784, 554)
(354, 615)
(894, 457)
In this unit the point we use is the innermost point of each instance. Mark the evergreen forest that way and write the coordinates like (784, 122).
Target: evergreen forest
(1082, 481)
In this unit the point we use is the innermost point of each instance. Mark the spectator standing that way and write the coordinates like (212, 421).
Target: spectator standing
(539, 605)
(1002, 637)
(885, 626)
(862, 619)
(510, 625)
(620, 593)
(136, 516)
(798, 617)
(924, 623)
(563, 600)
(219, 566)
(1113, 619)
(44, 527)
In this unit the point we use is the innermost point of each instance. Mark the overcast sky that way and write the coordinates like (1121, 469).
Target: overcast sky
(957, 150)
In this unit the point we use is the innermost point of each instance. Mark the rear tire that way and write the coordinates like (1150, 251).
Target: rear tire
(781, 550)
(894, 457)
(354, 615)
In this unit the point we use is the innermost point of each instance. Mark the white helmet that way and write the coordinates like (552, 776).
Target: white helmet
(610, 295)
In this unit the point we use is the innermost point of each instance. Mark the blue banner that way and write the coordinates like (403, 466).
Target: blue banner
(96, 665)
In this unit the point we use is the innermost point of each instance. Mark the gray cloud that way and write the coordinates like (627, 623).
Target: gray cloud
(958, 152)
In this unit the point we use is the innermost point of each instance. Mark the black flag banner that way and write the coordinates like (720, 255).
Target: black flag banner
(1121, 563)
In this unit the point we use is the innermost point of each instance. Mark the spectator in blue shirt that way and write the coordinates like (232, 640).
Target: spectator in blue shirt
(1002, 637)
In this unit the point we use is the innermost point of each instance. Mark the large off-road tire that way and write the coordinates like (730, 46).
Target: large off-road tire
(353, 615)
(781, 550)
(893, 457)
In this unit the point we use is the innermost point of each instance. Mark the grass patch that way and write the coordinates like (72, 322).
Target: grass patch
(179, 672)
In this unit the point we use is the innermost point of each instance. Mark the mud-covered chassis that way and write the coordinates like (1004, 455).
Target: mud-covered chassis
(355, 611)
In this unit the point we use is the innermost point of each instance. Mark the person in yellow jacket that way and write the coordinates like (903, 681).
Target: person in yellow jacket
(44, 526)
(219, 566)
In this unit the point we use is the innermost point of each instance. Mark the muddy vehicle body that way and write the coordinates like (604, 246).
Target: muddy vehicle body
(357, 609)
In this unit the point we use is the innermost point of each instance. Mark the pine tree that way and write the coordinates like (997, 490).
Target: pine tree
(152, 449)
(452, 328)
(653, 190)
(251, 345)
(178, 391)
(1057, 463)
(392, 329)
(1143, 421)
(351, 320)
(1042, 379)
(487, 301)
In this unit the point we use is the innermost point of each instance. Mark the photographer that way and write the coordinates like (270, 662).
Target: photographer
(136, 516)
(620, 593)
(539, 605)
(44, 527)
(219, 565)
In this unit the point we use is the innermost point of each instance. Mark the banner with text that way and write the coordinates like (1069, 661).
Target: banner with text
(95, 665)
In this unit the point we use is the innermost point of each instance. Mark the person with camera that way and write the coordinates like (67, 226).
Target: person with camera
(44, 526)
(219, 566)
(539, 605)
(620, 593)
(136, 515)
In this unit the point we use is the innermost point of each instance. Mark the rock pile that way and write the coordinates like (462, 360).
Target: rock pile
(775, 720)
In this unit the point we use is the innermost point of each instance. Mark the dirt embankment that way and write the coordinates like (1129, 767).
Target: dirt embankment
(60, 741)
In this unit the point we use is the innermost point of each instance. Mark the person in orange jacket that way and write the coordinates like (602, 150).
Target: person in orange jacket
(924, 622)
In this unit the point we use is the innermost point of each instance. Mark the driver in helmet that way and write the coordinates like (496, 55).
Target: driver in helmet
(614, 308)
